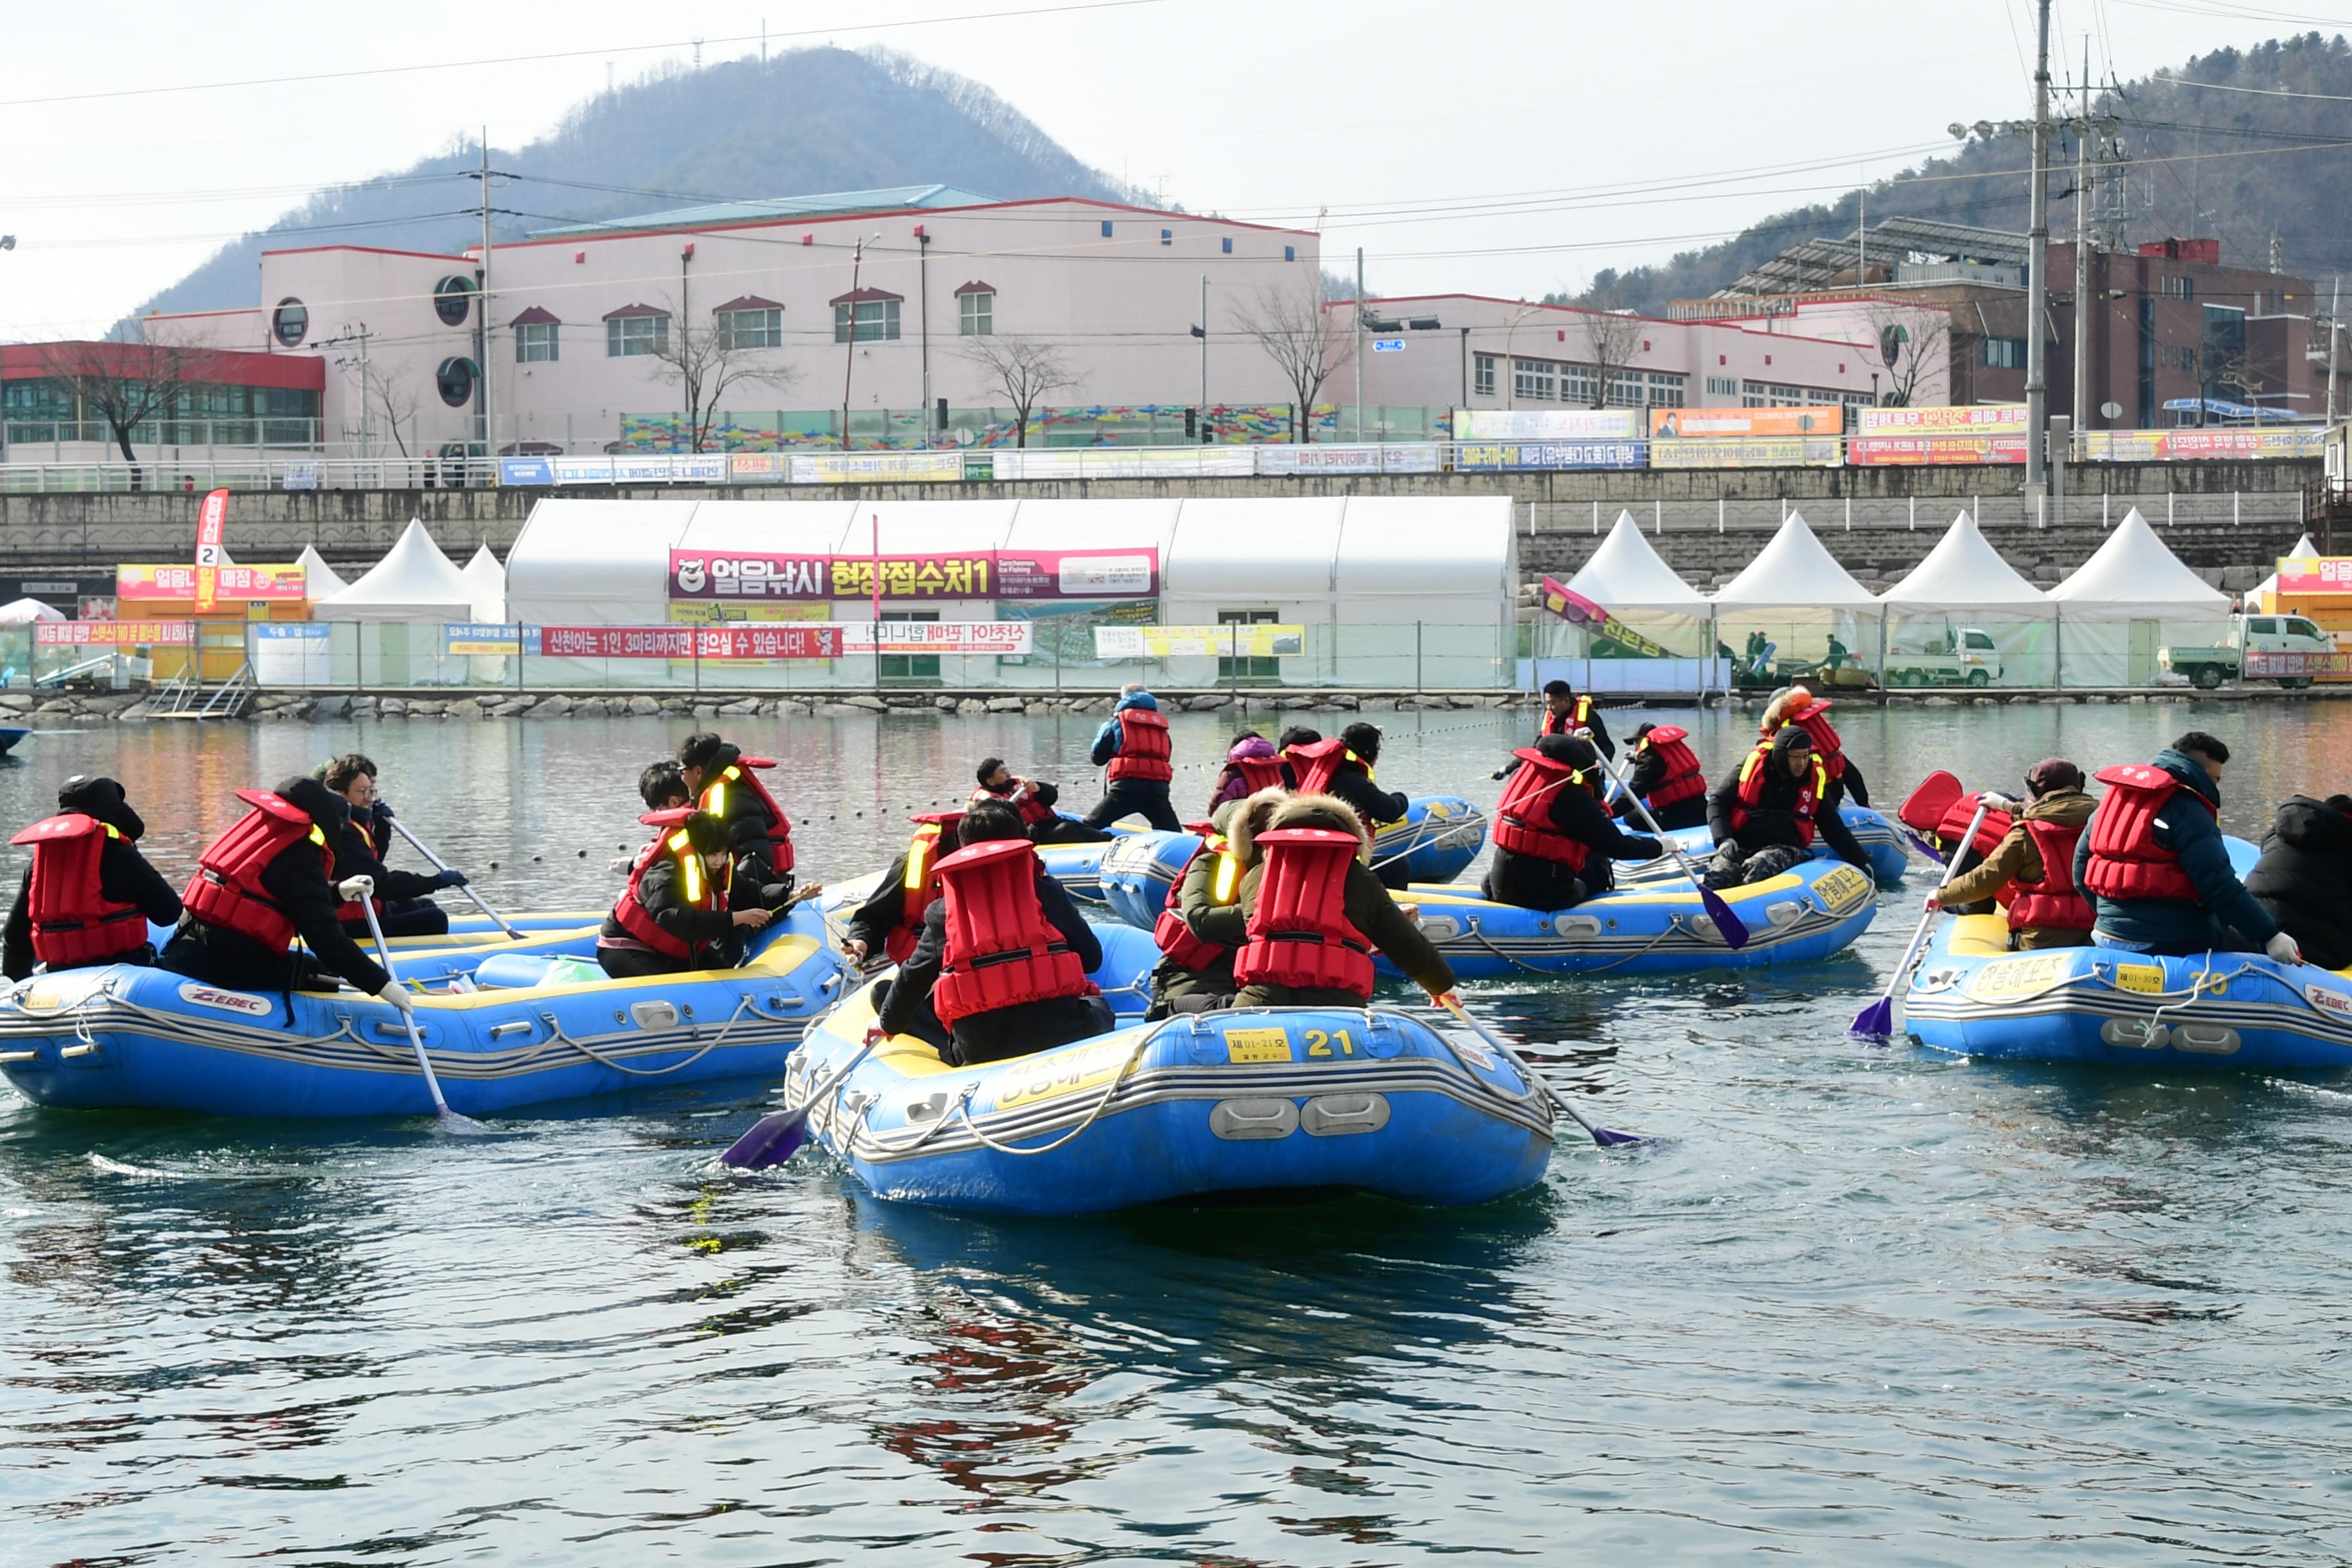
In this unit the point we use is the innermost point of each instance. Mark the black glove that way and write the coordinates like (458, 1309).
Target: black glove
(384, 808)
(450, 878)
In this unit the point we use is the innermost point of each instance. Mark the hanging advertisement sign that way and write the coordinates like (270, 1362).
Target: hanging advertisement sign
(2183, 446)
(475, 639)
(2297, 666)
(734, 639)
(853, 468)
(114, 634)
(986, 637)
(1983, 419)
(1898, 451)
(1123, 462)
(1549, 425)
(1750, 452)
(1695, 424)
(1261, 640)
(212, 524)
(960, 575)
(282, 584)
(1388, 457)
(1498, 456)
(2315, 575)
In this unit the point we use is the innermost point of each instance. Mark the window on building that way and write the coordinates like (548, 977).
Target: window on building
(535, 342)
(2001, 354)
(1723, 386)
(455, 381)
(1666, 389)
(751, 329)
(1576, 384)
(1534, 379)
(290, 323)
(1482, 375)
(1228, 245)
(1166, 236)
(2179, 288)
(627, 337)
(1106, 229)
(976, 315)
(1290, 253)
(878, 320)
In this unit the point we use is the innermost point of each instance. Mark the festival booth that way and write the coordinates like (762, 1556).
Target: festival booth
(320, 581)
(2264, 598)
(1657, 636)
(1802, 615)
(1963, 616)
(2124, 605)
(386, 629)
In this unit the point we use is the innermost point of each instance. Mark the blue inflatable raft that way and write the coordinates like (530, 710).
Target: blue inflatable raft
(1305, 1100)
(1972, 996)
(531, 1030)
(1881, 838)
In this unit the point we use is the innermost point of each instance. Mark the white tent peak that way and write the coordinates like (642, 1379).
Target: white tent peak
(320, 580)
(1626, 573)
(488, 581)
(2262, 591)
(1963, 572)
(414, 582)
(2134, 576)
(25, 612)
(1794, 572)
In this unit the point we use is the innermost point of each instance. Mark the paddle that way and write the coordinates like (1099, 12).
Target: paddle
(439, 865)
(1876, 1022)
(1927, 804)
(1601, 1135)
(1729, 926)
(450, 1121)
(778, 1136)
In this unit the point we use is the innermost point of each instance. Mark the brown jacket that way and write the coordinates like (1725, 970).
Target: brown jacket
(1369, 906)
(2014, 859)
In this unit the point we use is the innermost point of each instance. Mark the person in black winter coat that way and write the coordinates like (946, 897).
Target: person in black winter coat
(408, 907)
(1649, 772)
(1533, 882)
(1001, 1032)
(708, 934)
(1770, 841)
(2304, 876)
(124, 877)
(219, 956)
(1379, 807)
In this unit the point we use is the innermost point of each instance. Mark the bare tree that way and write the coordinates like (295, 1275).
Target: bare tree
(1615, 340)
(380, 390)
(127, 386)
(1296, 331)
(704, 361)
(1907, 345)
(2240, 371)
(1023, 369)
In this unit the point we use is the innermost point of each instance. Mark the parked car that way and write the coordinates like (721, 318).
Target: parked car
(1963, 656)
(2209, 667)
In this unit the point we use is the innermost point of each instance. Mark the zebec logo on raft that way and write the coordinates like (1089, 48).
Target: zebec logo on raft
(227, 1001)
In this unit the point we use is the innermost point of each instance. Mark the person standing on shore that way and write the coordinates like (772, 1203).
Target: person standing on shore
(1134, 752)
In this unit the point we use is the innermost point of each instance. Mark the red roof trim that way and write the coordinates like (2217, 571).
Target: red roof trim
(976, 287)
(216, 367)
(863, 296)
(807, 223)
(628, 312)
(746, 302)
(366, 251)
(536, 316)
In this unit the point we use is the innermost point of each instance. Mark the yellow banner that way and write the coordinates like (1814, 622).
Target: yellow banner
(1264, 641)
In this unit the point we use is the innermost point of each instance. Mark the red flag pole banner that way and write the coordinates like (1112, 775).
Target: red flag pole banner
(212, 523)
(1579, 611)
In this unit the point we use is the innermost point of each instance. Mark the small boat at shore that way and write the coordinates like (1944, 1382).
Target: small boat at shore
(505, 1023)
(2223, 1011)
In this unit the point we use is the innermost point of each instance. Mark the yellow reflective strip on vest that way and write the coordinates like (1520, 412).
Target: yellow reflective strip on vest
(691, 864)
(1228, 881)
(318, 836)
(112, 832)
(918, 859)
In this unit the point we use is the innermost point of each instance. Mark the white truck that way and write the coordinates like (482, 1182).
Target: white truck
(2209, 667)
(1961, 655)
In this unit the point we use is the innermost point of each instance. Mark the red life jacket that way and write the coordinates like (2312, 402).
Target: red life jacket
(73, 921)
(226, 889)
(2126, 862)
(739, 774)
(921, 885)
(1684, 781)
(1317, 764)
(1523, 822)
(1175, 938)
(1143, 747)
(1579, 717)
(2052, 902)
(1995, 827)
(1002, 950)
(1258, 773)
(1033, 810)
(1753, 776)
(1828, 749)
(1299, 933)
(701, 893)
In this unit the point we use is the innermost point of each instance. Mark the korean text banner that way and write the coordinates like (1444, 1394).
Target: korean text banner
(2315, 575)
(938, 636)
(2175, 446)
(1111, 574)
(114, 634)
(1889, 451)
(476, 640)
(1493, 455)
(1681, 424)
(1549, 425)
(735, 639)
(1264, 640)
(233, 583)
(1749, 452)
(1987, 419)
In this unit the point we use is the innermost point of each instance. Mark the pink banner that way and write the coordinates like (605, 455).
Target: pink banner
(2298, 666)
(738, 639)
(2315, 575)
(114, 634)
(1110, 573)
(1890, 451)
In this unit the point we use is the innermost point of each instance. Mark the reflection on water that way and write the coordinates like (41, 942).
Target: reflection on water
(1856, 1304)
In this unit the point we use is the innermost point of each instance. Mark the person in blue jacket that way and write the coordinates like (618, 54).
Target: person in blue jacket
(2155, 868)
(1133, 751)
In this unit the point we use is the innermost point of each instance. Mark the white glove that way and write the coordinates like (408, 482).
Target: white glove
(2281, 948)
(397, 995)
(1998, 801)
(351, 889)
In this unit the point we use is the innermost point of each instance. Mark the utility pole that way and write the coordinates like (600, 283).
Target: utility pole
(489, 424)
(1358, 321)
(849, 359)
(1861, 238)
(1201, 424)
(367, 442)
(2335, 330)
(2083, 251)
(2037, 273)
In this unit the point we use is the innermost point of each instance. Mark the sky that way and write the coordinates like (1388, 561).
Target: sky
(1509, 147)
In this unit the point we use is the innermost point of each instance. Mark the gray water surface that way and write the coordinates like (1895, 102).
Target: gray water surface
(1860, 1305)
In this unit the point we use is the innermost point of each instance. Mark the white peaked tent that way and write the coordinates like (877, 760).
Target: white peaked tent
(320, 580)
(1625, 575)
(2264, 596)
(1964, 572)
(25, 612)
(414, 582)
(488, 581)
(1794, 572)
(2123, 604)
(1965, 615)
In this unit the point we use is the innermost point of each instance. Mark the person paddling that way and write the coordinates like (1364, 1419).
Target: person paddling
(1554, 841)
(2033, 863)
(87, 895)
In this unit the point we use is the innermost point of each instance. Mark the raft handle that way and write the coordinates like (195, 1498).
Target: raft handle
(85, 1049)
(9, 1058)
(517, 1025)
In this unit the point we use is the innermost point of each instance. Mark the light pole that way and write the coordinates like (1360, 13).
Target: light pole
(849, 358)
(1510, 338)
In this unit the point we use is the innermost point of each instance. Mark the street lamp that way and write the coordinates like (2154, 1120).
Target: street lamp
(1510, 373)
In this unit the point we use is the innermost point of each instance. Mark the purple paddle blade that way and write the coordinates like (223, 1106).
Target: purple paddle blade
(1733, 930)
(773, 1139)
(1875, 1022)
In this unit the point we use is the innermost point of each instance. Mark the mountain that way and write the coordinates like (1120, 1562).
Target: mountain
(2221, 147)
(797, 123)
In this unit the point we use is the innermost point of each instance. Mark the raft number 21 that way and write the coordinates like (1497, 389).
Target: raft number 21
(1250, 1046)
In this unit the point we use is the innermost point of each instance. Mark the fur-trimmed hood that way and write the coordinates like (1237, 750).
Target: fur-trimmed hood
(1788, 702)
(1273, 808)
